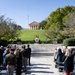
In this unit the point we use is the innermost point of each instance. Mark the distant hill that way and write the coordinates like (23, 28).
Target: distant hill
(27, 35)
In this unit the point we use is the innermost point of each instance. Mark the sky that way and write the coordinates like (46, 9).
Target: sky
(24, 12)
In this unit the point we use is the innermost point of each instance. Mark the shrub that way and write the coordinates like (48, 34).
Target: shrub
(59, 41)
(69, 42)
(3, 42)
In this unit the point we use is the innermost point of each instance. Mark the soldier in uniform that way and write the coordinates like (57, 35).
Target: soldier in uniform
(24, 58)
(10, 60)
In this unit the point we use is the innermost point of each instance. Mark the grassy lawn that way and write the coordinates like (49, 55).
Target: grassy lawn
(30, 34)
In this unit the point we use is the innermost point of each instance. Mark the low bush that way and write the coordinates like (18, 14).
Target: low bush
(69, 42)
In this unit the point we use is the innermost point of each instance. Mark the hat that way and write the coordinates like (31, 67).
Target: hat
(11, 49)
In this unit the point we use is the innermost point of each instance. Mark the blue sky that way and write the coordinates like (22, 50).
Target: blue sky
(37, 10)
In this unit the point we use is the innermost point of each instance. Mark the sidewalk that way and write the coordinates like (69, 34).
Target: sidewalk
(43, 65)
(42, 60)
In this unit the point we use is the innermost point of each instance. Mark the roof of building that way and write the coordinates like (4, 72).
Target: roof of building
(34, 24)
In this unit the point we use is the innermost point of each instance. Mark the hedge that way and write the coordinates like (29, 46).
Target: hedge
(69, 42)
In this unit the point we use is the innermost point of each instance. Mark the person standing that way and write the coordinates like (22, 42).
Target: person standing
(1, 54)
(55, 54)
(10, 61)
(59, 56)
(28, 53)
(4, 55)
(24, 57)
(68, 62)
(18, 61)
(1, 57)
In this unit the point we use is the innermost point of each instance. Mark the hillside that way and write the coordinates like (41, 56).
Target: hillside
(30, 34)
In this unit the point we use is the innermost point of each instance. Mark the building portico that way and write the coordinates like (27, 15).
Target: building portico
(34, 26)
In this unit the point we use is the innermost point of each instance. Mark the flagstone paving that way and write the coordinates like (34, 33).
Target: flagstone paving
(42, 66)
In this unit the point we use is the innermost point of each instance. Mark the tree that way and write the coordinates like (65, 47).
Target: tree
(55, 22)
(69, 23)
(42, 24)
(8, 29)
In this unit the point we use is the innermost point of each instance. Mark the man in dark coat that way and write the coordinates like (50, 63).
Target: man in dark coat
(1, 54)
(1, 57)
(28, 53)
(18, 61)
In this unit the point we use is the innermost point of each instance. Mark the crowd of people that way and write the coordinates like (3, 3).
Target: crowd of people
(67, 58)
(13, 58)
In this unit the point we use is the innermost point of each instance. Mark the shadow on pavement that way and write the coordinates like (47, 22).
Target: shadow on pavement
(38, 68)
(40, 64)
(41, 72)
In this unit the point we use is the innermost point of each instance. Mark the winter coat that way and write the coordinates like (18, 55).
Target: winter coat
(59, 57)
(68, 64)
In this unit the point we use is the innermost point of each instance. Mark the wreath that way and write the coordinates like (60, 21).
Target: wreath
(36, 40)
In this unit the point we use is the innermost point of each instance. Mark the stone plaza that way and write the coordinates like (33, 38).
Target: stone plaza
(42, 60)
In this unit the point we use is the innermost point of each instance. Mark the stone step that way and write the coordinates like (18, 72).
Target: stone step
(42, 54)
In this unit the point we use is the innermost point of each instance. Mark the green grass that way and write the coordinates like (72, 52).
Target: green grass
(27, 35)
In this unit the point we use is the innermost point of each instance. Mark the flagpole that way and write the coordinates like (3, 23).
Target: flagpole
(28, 14)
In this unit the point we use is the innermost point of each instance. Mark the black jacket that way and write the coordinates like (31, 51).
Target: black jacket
(68, 64)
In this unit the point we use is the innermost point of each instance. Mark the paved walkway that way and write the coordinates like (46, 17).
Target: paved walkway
(43, 65)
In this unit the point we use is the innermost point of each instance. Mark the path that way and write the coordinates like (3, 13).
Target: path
(42, 66)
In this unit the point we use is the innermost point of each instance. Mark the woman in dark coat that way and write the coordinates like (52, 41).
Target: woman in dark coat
(59, 56)
(68, 63)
